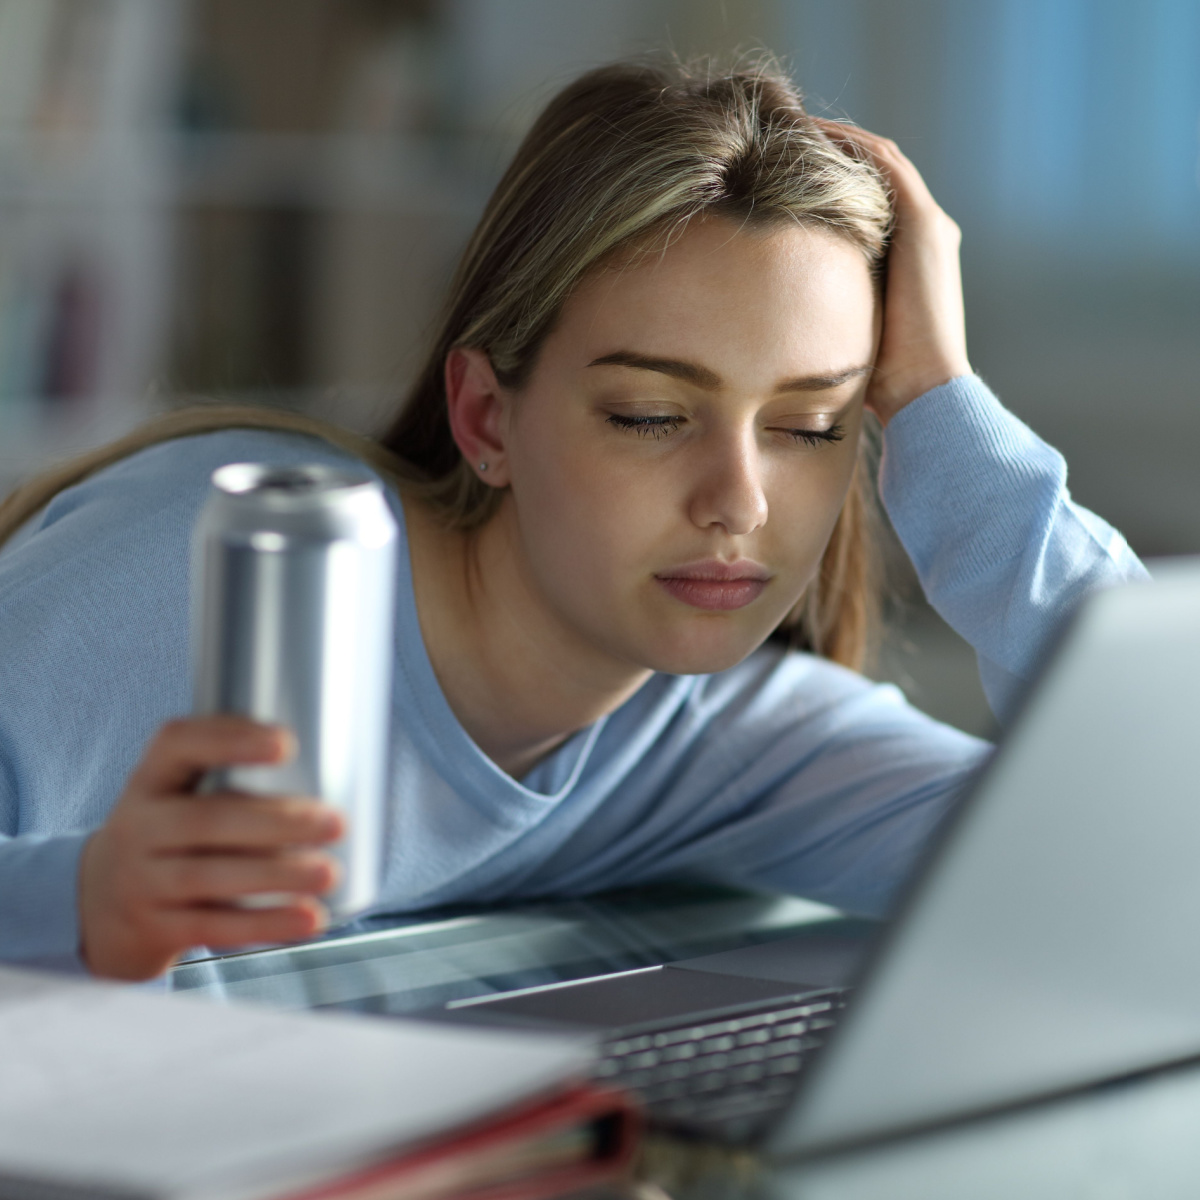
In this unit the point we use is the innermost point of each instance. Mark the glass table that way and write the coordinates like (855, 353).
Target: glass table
(416, 963)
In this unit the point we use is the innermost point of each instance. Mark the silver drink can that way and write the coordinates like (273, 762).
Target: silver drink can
(293, 582)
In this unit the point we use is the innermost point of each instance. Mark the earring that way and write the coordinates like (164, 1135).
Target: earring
(483, 466)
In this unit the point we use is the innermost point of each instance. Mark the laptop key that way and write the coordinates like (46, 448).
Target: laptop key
(751, 1054)
(673, 1037)
(647, 1058)
(677, 1053)
(754, 1037)
(630, 1045)
(786, 1046)
(790, 1029)
(784, 1066)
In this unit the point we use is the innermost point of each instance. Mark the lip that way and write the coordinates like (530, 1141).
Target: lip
(714, 585)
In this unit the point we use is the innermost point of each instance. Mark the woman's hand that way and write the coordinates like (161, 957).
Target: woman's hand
(924, 341)
(166, 869)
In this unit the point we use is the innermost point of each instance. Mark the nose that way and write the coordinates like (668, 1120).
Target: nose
(728, 489)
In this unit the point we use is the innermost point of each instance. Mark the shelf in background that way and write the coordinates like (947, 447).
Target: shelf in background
(33, 437)
(335, 171)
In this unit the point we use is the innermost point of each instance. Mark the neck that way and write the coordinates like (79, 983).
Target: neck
(517, 678)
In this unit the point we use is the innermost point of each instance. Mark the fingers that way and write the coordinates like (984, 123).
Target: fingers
(138, 914)
(226, 821)
(168, 867)
(183, 750)
(221, 879)
(863, 140)
(886, 156)
(222, 927)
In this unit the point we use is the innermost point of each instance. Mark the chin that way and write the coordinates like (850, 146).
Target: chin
(701, 656)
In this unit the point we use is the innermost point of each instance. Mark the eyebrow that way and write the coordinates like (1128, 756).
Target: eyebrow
(694, 373)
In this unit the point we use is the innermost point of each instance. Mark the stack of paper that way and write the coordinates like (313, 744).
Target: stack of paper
(110, 1091)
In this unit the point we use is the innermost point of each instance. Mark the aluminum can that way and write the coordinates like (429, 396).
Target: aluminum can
(293, 603)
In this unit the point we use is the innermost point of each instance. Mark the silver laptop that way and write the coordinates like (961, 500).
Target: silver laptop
(1050, 941)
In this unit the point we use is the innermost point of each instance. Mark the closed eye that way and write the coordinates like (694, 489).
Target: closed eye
(661, 426)
(814, 437)
(654, 427)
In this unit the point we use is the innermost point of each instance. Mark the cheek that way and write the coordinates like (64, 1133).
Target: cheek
(584, 518)
(804, 507)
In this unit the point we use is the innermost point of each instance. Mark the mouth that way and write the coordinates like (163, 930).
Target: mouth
(715, 585)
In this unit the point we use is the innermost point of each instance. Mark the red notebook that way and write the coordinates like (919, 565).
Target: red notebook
(580, 1137)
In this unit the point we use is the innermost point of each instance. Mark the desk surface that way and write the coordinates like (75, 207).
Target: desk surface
(1139, 1140)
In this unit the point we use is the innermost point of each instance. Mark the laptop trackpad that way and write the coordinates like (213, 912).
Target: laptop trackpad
(820, 958)
(826, 955)
(620, 1001)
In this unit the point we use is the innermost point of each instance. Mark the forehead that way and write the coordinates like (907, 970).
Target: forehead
(744, 301)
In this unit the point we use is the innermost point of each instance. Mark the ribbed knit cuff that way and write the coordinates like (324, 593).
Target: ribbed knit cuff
(39, 916)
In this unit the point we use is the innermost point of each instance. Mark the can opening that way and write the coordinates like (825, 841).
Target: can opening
(288, 479)
(284, 483)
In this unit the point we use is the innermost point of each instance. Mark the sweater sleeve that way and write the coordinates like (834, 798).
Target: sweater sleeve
(39, 926)
(1003, 553)
(38, 919)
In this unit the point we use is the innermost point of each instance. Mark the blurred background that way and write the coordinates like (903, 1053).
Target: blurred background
(260, 200)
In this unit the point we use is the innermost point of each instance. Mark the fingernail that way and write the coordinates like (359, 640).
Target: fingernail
(276, 740)
(286, 741)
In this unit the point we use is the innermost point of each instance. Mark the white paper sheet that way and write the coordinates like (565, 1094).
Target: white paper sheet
(163, 1095)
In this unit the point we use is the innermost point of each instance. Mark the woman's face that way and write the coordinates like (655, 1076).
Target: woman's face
(684, 444)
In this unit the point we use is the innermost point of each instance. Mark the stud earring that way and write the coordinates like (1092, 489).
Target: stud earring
(483, 466)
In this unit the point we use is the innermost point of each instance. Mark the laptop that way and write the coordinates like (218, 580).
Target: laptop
(1049, 941)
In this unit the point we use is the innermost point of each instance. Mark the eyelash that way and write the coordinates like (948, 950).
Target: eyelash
(814, 437)
(655, 427)
(661, 427)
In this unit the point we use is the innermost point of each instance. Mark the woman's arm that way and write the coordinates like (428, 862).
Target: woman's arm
(980, 503)
(978, 500)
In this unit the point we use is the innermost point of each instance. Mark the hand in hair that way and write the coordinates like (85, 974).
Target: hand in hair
(924, 341)
(166, 869)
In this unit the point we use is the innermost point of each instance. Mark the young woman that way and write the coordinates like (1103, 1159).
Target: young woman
(633, 456)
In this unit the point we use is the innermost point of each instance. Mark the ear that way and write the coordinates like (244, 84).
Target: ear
(477, 407)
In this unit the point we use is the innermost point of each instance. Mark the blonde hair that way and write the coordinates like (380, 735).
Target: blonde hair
(620, 160)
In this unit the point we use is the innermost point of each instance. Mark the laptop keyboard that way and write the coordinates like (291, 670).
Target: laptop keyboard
(726, 1077)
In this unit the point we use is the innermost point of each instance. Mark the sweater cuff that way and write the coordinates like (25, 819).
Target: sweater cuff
(957, 453)
(39, 914)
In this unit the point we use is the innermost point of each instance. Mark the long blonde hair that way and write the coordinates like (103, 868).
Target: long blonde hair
(621, 159)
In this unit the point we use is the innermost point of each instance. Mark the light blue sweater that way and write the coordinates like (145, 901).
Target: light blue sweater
(785, 771)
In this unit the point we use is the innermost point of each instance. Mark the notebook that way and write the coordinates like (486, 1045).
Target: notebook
(114, 1092)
